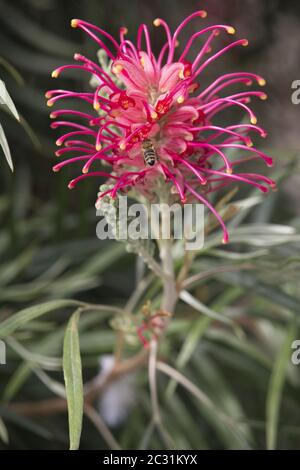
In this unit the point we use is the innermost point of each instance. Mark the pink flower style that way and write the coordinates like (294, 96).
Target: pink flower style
(155, 101)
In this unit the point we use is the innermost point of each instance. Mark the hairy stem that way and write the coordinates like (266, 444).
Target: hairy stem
(169, 282)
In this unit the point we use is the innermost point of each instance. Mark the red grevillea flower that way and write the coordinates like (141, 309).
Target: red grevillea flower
(149, 117)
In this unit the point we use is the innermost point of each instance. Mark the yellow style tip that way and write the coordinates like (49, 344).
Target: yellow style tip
(117, 68)
(231, 30)
(181, 74)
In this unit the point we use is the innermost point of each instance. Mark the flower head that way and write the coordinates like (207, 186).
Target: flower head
(148, 117)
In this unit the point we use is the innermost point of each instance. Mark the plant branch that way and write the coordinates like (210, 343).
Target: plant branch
(154, 396)
(91, 391)
(100, 425)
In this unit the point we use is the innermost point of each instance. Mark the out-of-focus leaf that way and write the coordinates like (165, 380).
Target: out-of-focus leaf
(97, 342)
(30, 59)
(219, 389)
(16, 382)
(272, 293)
(50, 345)
(10, 270)
(262, 213)
(53, 385)
(276, 386)
(3, 432)
(33, 34)
(104, 258)
(49, 363)
(73, 380)
(11, 324)
(200, 307)
(264, 235)
(195, 334)
(213, 412)
(30, 132)
(239, 256)
(243, 207)
(181, 418)
(242, 346)
(12, 71)
(192, 340)
(27, 424)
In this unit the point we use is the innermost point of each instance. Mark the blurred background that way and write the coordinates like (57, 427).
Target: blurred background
(48, 247)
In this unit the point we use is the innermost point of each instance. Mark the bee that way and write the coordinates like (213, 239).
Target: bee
(149, 153)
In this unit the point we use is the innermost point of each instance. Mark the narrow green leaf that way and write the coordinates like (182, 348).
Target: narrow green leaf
(49, 345)
(11, 324)
(189, 346)
(13, 268)
(104, 259)
(33, 33)
(3, 432)
(276, 387)
(12, 71)
(186, 297)
(31, 133)
(16, 381)
(242, 345)
(220, 390)
(27, 424)
(192, 340)
(6, 101)
(5, 147)
(73, 380)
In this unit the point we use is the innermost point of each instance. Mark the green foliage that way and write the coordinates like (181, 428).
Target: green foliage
(73, 380)
(7, 103)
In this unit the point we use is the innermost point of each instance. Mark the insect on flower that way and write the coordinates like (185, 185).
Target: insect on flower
(148, 117)
(149, 152)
